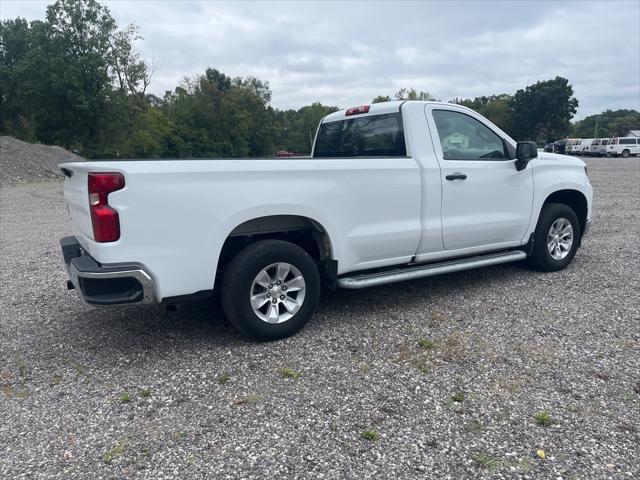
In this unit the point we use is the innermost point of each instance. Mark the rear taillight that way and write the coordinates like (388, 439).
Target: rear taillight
(105, 221)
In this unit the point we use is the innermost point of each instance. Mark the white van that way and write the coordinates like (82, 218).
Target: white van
(602, 147)
(595, 146)
(625, 146)
(584, 148)
(571, 146)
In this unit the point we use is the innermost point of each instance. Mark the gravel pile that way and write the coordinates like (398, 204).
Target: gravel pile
(494, 373)
(22, 162)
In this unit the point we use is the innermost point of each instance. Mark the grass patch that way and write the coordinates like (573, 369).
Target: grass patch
(223, 378)
(451, 348)
(248, 400)
(125, 397)
(56, 380)
(145, 392)
(23, 369)
(423, 365)
(426, 343)
(364, 367)
(489, 462)
(179, 435)
(370, 435)
(526, 464)
(11, 392)
(458, 397)
(543, 419)
(80, 370)
(116, 451)
(289, 373)
(475, 426)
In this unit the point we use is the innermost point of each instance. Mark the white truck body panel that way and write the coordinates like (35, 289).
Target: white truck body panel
(175, 215)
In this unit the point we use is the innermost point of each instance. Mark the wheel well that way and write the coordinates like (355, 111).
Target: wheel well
(574, 199)
(302, 231)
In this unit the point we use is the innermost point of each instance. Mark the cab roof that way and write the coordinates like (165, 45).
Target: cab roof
(376, 109)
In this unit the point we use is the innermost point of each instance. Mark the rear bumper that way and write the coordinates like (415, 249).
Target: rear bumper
(98, 284)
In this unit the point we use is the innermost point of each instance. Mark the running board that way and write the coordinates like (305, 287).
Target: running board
(429, 270)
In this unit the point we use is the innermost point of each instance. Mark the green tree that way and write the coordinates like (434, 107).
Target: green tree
(216, 115)
(70, 79)
(610, 123)
(15, 43)
(127, 66)
(296, 129)
(76, 64)
(543, 111)
(494, 107)
(381, 99)
(151, 135)
(412, 94)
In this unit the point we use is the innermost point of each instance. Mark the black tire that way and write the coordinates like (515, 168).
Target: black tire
(541, 259)
(237, 283)
(626, 153)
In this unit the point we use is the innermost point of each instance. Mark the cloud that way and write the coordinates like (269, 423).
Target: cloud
(345, 53)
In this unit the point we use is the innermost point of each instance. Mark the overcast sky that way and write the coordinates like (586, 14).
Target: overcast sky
(344, 54)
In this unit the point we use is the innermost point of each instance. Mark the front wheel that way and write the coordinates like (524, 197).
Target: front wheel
(270, 289)
(626, 153)
(556, 238)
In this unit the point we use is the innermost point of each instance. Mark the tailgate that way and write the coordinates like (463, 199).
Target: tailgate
(76, 197)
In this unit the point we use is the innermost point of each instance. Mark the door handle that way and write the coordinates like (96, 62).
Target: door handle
(456, 176)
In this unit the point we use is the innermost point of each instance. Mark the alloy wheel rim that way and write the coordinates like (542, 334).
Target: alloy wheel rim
(560, 238)
(277, 292)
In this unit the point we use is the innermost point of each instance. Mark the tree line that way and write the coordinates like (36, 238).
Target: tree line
(75, 79)
(542, 112)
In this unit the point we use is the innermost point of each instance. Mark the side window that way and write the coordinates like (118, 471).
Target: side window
(627, 141)
(464, 138)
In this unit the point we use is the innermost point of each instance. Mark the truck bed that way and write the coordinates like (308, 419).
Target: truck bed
(176, 214)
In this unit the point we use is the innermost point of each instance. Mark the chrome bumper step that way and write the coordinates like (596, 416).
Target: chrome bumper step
(429, 270)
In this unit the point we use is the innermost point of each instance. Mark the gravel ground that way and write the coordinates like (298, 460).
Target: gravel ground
(23, 162)
(513, 365)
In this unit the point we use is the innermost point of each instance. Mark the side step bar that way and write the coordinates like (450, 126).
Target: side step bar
(429, 270)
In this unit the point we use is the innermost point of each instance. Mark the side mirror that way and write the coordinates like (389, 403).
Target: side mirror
(525, 152)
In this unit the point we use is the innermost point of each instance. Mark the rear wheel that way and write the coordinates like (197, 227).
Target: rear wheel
(270, 289)
(556, 238)
(626, 153)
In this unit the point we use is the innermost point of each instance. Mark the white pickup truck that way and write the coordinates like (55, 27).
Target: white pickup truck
(392, 191)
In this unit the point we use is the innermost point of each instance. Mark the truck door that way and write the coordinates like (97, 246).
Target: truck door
(485, 200)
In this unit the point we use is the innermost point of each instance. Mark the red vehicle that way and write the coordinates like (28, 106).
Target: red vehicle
(283, 153)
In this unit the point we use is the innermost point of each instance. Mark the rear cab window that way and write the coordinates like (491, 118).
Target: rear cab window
(368, 136)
